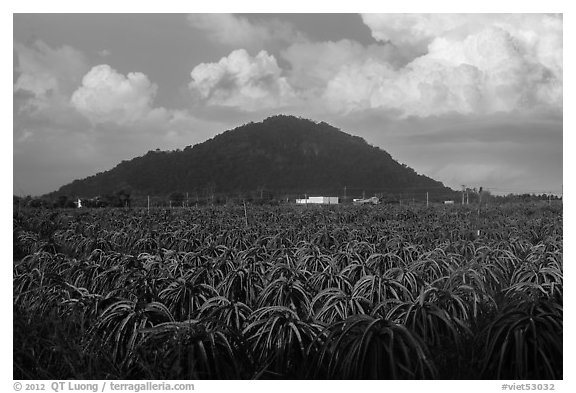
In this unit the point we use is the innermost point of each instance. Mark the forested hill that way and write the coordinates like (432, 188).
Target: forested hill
(283, 155)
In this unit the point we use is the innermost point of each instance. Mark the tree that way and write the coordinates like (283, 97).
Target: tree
(123, 198)
(177, 198)
(63, 202)
(37, 202)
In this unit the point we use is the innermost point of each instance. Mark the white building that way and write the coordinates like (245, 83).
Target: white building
(319, 200)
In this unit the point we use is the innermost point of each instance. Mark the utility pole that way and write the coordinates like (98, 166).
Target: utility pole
(426, 198)
(467, 200)
(344, 193)
(148, 203)
(463, 188)
(549, 199)
(245, 215)
(479, 200)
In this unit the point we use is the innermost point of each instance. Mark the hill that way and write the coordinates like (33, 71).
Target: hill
(282, 155)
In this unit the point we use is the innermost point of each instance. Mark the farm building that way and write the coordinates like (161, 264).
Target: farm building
(320, 200)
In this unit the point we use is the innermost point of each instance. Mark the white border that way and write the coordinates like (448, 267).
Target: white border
(259, 6)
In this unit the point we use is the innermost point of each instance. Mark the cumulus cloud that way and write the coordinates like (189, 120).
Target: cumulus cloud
(470, 64)
(257, 82)
(242, 81)
(236, 30)
(108, 96)
(422, 29)
(314, 64)
(416, 30)
(424, 65)
(124, 105)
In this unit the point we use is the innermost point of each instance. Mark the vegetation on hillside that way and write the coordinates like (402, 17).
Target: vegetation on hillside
(281, 155)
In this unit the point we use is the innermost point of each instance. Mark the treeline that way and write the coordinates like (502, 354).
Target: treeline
(118, 199)
(125, 199)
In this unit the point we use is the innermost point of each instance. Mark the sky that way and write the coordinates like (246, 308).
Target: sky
(474, 99)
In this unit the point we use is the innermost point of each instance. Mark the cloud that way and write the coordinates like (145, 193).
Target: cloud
(419, 30)
(45, 76)
(424, 65)
(108, 96)
(314, 64)
(242, 81)
(253, 83)
(462, 64)
(125, 104)
(236, 30)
